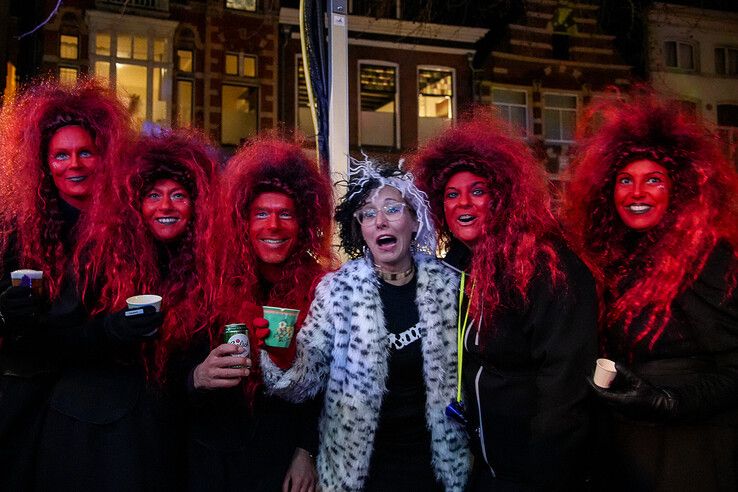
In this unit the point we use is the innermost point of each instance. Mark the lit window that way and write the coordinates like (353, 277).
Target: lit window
(240, 65)
(679, 55)
(138, 66)
(184, 102)
(68, 47)
(513, 107)
(67, 75)
(559, 117)
(239, 114)
(184, 60)
(249, 5)
(435, 101)
(378, 96)
(726, 61)
(102, 44)
(304, 117)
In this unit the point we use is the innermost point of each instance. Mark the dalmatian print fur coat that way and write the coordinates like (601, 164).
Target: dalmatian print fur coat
(343, 348)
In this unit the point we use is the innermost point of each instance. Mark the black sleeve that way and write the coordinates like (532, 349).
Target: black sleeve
(564, 341)
(710, 307)
(310, 415)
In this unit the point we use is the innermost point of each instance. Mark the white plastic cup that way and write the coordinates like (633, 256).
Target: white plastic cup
(605, 373)
(144, 300)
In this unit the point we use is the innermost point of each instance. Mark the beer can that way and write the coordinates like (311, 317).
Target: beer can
(237, 334)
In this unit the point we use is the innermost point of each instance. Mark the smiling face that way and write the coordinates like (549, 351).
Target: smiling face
(167, 209)
(72, 159)
(642, 190)
(466, 206)
(273, 227)
(390, 234)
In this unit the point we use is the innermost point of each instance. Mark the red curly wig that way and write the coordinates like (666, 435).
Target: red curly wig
(269, 163)
(642, 273)
(520, 231)
(117, 255)
(30, 219)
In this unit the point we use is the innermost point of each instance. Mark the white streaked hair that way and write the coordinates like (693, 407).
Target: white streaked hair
(367, 172)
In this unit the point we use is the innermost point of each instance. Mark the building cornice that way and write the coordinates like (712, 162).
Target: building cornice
(399, 28)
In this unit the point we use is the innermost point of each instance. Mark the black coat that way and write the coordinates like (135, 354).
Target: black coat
(28, 372)
(235, 446)
(696, 358)
(524, 382)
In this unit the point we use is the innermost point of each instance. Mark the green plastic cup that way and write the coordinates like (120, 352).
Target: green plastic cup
(281, 325)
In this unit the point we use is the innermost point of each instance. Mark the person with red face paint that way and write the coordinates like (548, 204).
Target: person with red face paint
(113, 421)
(272, 244)
(54, 139)
(379, 340)
(527, 309)
(652, 207)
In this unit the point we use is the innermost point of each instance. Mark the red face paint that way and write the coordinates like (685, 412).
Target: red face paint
(72, 160)
(167, 209)
(466, 206)
(642, 190)
(273, 227)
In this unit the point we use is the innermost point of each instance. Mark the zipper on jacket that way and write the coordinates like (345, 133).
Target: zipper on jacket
(481, 426)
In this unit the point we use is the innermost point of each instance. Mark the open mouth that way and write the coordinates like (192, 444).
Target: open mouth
(639, 208)
(167, 220)
(77, 179)
(466, 218)
(386, 240)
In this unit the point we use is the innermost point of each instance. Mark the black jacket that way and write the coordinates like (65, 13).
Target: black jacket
(524, 382)
(696, 359)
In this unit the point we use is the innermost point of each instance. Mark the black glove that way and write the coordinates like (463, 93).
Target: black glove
(20, 310)
(134, 325)
(635, 397)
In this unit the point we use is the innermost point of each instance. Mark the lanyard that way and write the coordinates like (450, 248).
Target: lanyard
(461, 334)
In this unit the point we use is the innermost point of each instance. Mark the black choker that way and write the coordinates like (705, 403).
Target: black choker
(394, 276)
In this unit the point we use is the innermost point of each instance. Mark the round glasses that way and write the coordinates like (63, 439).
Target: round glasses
(392, 212)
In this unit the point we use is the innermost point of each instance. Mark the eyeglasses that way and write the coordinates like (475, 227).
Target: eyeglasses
(392, 212)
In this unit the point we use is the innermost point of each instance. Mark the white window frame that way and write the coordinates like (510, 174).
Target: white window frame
(678, 67)
(725, 49)
(383, 63)
(115, 25)
(528, 97)
(577, 98)
(453, 89)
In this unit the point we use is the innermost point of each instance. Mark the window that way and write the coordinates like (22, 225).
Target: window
(435, 101)
(304, 120)
(239, 114)
(185, 87)
(679, 55)
(136, 57)
(378, 103)
(249, 5)
(559, 117)
(727, 115)
(726, 61)
(240, 65)
(68, 75)
(513, 106)
(68, 47)
(184, 60)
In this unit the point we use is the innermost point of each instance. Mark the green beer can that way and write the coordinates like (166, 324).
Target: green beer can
(237, 334)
